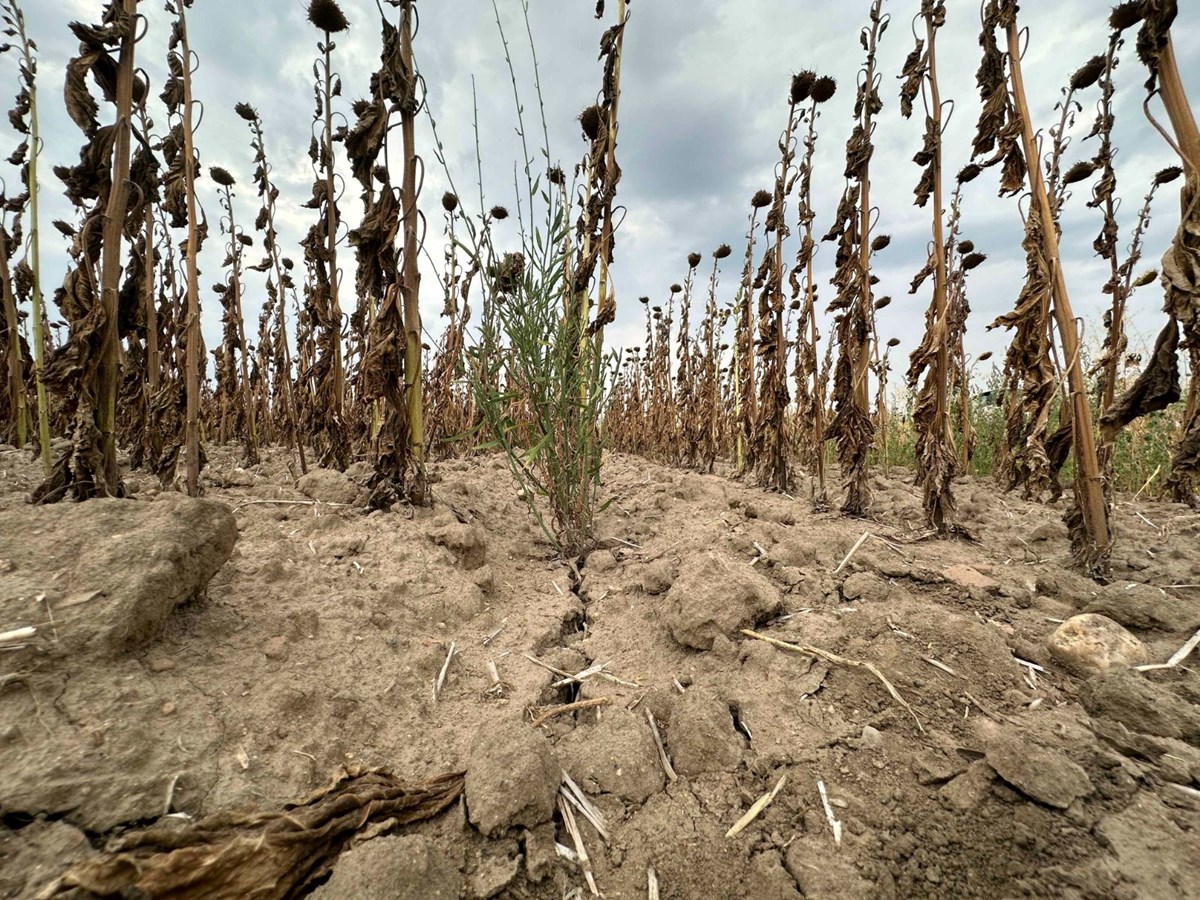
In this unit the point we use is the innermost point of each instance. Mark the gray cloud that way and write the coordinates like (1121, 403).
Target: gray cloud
(703, 102)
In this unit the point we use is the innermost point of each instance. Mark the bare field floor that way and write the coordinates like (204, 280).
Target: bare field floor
(320, 633)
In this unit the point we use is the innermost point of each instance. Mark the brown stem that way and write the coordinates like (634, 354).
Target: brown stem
(1091, 500)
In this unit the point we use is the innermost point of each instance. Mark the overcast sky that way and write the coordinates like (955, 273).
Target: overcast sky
(704, 89)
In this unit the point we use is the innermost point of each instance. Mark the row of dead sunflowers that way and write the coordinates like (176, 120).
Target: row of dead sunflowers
(722, 393)
(529, 376)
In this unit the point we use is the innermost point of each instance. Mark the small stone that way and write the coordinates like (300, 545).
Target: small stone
(872, 738)
(1091, 643)
(160, 664)
(1046, 776)
(970, 577)
(168, 709)
(540, 855)
(275, 648)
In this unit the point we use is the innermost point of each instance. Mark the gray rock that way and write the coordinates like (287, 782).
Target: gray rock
(714, 596)
(1090, 643)
(1046, 776)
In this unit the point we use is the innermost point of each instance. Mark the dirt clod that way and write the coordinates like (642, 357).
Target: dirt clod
(715, 595)
(397, 867)
(1046, 776)
(512, 778)
(702, 737)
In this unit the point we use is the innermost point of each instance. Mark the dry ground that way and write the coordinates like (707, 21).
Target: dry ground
(318, 644)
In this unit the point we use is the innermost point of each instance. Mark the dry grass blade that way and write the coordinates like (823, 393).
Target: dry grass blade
(568, 817)
(756, 810)
(662, 751)
(545, 715)
(839, 661)
(834, 825)
(571, 791)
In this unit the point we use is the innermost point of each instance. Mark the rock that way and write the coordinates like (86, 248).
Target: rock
(160, 664)
(701, 737)
(468, 543)
(872, 738)
(865, 586)
(1146, 608)
(397, 867)
(617, 755)
(512, 779)
(1090, 643)
(116, 569)
(658, 576)
(330, 486)
(275, 648)
(717, 595)
(1046, 776)
(969, 577)
(932, 767)
(601, 561)
(1127, 697)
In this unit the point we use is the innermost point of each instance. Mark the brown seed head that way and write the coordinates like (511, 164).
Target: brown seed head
(1088, 74)
(556, 176)
(984, 357)
(589, 121)
(760, 199)
(449, 201)
(1148, 277)
(973, 261)
(1167, 175)
(883, 302)
(1081, 171)
(802, 86)
(966, 246)
(694, 260)
(221, 176)
(246, 111)
(499, 213)
(327, 16)
(823, 89)
(881, 243)
(969, 172)
(643, 300)
(894, 342)
(722, 252)
(795, 304)
(1126, 15)
(676, 288)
